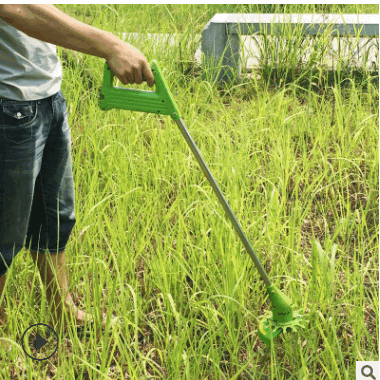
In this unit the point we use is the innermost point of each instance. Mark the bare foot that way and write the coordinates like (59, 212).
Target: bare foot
(81, 317)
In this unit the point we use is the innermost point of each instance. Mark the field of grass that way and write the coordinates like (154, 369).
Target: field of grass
(298, 163)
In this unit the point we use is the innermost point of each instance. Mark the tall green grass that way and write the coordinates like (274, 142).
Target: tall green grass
(291, 56)
(299, 168)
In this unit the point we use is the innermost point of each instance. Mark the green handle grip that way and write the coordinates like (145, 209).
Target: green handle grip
(160, 101)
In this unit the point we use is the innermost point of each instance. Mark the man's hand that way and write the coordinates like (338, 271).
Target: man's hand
(129, 65)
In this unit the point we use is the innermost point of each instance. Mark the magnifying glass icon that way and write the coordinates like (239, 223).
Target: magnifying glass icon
(370, 373)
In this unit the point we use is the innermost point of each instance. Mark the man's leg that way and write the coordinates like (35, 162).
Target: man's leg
(55, 279)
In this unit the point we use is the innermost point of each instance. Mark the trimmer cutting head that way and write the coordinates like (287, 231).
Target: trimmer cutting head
(282, 319)
(270, 329)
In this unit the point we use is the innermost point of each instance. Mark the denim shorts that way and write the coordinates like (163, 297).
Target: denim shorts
(36, 180)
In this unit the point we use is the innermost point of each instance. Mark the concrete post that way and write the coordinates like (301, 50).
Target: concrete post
(220, 52)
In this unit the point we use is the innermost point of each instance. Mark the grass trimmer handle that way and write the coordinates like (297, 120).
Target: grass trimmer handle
(160, 101)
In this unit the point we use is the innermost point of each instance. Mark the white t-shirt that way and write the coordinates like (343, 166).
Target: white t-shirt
(29, 68)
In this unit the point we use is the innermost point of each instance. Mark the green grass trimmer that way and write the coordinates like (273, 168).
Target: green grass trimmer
(283, 317)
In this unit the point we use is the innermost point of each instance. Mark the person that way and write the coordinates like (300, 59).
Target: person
(35, 158)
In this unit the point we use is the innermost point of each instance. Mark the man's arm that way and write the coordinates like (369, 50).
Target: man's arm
(47, 23)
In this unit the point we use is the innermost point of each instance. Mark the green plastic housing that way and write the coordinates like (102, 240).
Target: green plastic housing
(160, 101)
(282, 306)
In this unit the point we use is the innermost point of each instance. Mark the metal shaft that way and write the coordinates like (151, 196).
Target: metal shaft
(224, 203)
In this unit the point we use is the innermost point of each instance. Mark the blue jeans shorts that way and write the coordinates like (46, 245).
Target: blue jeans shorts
(36, 180)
